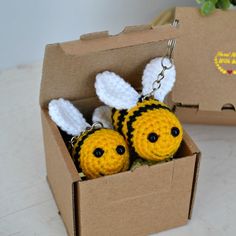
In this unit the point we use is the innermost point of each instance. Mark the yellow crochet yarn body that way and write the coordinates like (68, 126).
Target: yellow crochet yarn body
(150, 128)
(100, 152)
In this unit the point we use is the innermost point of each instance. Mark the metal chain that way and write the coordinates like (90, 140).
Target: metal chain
(165, 66)
(73, 140)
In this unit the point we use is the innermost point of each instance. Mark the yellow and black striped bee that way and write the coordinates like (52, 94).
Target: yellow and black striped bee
(96, 151)
(150, 128)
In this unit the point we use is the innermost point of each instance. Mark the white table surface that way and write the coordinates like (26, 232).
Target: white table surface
(26, 203)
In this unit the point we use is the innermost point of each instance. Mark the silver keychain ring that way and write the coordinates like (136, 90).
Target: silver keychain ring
(165, 66)
(73, 141)
(95, 125)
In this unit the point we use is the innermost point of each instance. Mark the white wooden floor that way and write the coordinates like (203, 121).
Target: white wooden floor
(26, 204)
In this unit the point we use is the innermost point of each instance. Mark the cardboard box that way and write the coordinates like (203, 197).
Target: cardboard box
(144, 201)
(205, 59)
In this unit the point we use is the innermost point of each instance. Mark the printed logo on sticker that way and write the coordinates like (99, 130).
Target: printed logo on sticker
(226, 62)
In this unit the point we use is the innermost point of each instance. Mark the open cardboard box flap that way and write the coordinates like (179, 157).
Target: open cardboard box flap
(67, 70)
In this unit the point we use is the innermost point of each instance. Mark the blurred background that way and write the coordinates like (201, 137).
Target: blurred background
(26, 26)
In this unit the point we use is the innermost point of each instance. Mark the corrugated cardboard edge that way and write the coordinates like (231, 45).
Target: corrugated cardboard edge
(130, 36)
(75, 208)
(165, 17)
(194, 149)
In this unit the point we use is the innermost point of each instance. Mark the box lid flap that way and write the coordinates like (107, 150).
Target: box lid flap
(70, 68)
(205, 58)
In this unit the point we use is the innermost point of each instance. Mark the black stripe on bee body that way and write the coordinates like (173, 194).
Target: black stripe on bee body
(121, 118)
(77, 148)
(138, 113)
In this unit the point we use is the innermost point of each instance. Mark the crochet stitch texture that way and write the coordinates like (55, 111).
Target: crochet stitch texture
(110, 162)
(149, 117)
(95, 151)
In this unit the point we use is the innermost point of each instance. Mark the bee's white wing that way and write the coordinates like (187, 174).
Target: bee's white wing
(150, 74)
(67, 117)
(115, 92)
(103, 114)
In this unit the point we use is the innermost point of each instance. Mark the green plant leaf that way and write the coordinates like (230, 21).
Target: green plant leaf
(207, 8)
(214, 1)
(233, 2)
(223, 4)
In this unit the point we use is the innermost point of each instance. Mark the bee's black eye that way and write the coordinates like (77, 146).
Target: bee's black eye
(120, 149)
(98, 152)
(152, 137)
(175, 131)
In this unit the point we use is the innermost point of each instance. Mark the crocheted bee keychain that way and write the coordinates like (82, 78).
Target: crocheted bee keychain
(96, 150)
(148, 125)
